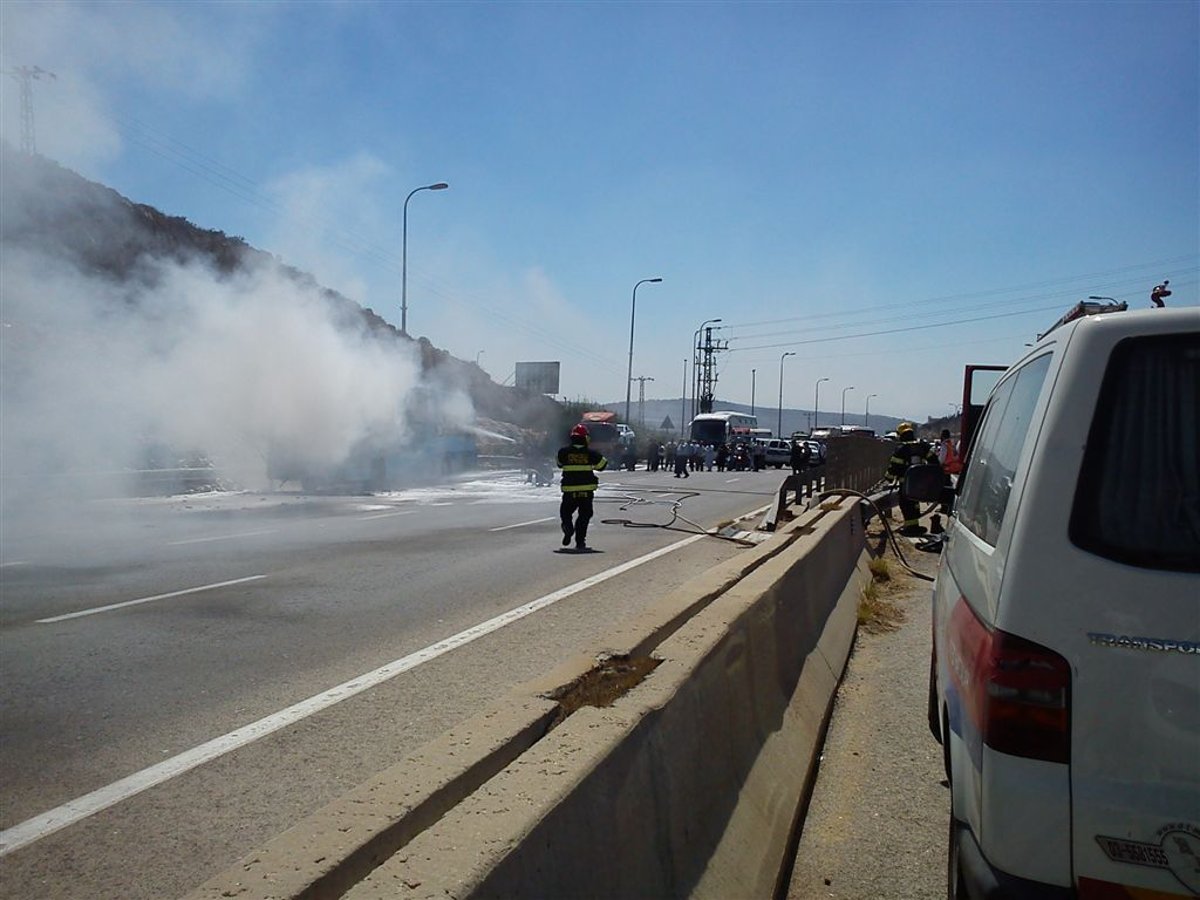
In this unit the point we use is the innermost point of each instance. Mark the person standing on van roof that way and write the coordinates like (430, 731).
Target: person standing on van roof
(579, 466)
(1160, 292)
(909, 452)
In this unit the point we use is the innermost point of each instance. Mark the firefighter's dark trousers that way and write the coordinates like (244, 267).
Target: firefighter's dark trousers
(909, 509)
(572, 501)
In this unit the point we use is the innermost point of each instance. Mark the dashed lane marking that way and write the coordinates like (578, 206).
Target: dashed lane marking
(219, 537)
(112, 606)
(76, 810)
(523, 524)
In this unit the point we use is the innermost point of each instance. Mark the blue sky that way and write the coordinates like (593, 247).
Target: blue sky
(841, 180)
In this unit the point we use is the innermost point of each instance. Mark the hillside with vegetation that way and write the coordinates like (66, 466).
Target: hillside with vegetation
(104, 236)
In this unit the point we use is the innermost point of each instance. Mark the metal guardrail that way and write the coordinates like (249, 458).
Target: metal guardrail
(857, 463)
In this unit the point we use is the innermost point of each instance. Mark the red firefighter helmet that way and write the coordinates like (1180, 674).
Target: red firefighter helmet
(579, 431)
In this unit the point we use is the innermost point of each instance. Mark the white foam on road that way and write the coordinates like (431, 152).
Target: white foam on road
(76, 810)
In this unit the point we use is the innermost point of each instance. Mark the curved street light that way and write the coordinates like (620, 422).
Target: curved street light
(753, 377)
(817, 402)
(440, 186)
(844, 402)
(632, 314)
(867, 413)
(779, 423)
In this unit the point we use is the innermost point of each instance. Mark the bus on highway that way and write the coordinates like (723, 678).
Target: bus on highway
(720, 427)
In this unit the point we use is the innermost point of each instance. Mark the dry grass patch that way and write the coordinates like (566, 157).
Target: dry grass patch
(877, 613)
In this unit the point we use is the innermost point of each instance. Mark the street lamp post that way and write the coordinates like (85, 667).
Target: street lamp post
(683, 402)
(477, 355)
(779, 422)
(632, 314)
(753, 375)
(816, 404)
(844, 402)
(440, 186)
(867, 412)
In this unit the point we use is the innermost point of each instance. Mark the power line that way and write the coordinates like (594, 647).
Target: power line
(991, 292)
(846, 337)
(909, 314)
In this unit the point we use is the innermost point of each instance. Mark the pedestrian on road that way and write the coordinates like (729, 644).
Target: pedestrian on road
(683, 456)
(799, 457)
(579, 466)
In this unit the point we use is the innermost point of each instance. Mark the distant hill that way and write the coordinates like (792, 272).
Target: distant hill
(49, 209)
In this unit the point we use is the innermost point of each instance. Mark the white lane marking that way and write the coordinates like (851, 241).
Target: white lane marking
(220, 537)
(403, 512)
(76, 810)
(15, 562)
(731, 480)
(195, 590)
(523, 524)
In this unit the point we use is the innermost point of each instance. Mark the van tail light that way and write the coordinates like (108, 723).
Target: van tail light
(1017, 693)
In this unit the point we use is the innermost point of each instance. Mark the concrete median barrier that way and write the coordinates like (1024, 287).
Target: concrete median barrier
(689, 784)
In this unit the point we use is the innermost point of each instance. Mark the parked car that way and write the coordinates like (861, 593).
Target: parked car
(776, 451)
(1065, 672)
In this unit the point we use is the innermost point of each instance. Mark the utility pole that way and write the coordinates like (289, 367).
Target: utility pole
(707, 374)
(25, 76)
(641, 380)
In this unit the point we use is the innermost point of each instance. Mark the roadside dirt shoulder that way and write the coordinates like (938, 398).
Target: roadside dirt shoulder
(876, 824)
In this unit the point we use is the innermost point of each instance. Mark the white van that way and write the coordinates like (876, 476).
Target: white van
(1065, 675)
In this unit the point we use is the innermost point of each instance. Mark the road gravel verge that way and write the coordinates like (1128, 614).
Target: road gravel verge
(876, 823)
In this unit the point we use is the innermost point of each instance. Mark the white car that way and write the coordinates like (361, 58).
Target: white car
(1065, 676)
(776, 451)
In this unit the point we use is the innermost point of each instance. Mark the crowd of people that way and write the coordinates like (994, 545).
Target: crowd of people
(579, 464)
(686, 457)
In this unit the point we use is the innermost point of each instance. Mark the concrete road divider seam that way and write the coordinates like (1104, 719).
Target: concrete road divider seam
(391, 815)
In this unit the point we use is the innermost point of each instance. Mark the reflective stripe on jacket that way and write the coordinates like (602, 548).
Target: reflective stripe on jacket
(579, 467)
(909, 453)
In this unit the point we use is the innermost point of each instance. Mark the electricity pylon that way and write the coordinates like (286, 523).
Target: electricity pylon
(25, 76)
(641, 380)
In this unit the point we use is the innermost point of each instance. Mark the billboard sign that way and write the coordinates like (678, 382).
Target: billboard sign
(537, 377)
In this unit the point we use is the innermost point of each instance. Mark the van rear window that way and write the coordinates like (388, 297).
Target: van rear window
(1138, 496)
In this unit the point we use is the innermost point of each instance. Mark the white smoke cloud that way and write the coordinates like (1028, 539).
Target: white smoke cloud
(236, 367)
(309, 200)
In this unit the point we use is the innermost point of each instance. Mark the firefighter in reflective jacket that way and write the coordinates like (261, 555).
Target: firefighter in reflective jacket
(579, 466)
(909, 452)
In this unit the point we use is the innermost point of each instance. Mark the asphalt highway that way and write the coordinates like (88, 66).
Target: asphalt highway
(183, 678)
